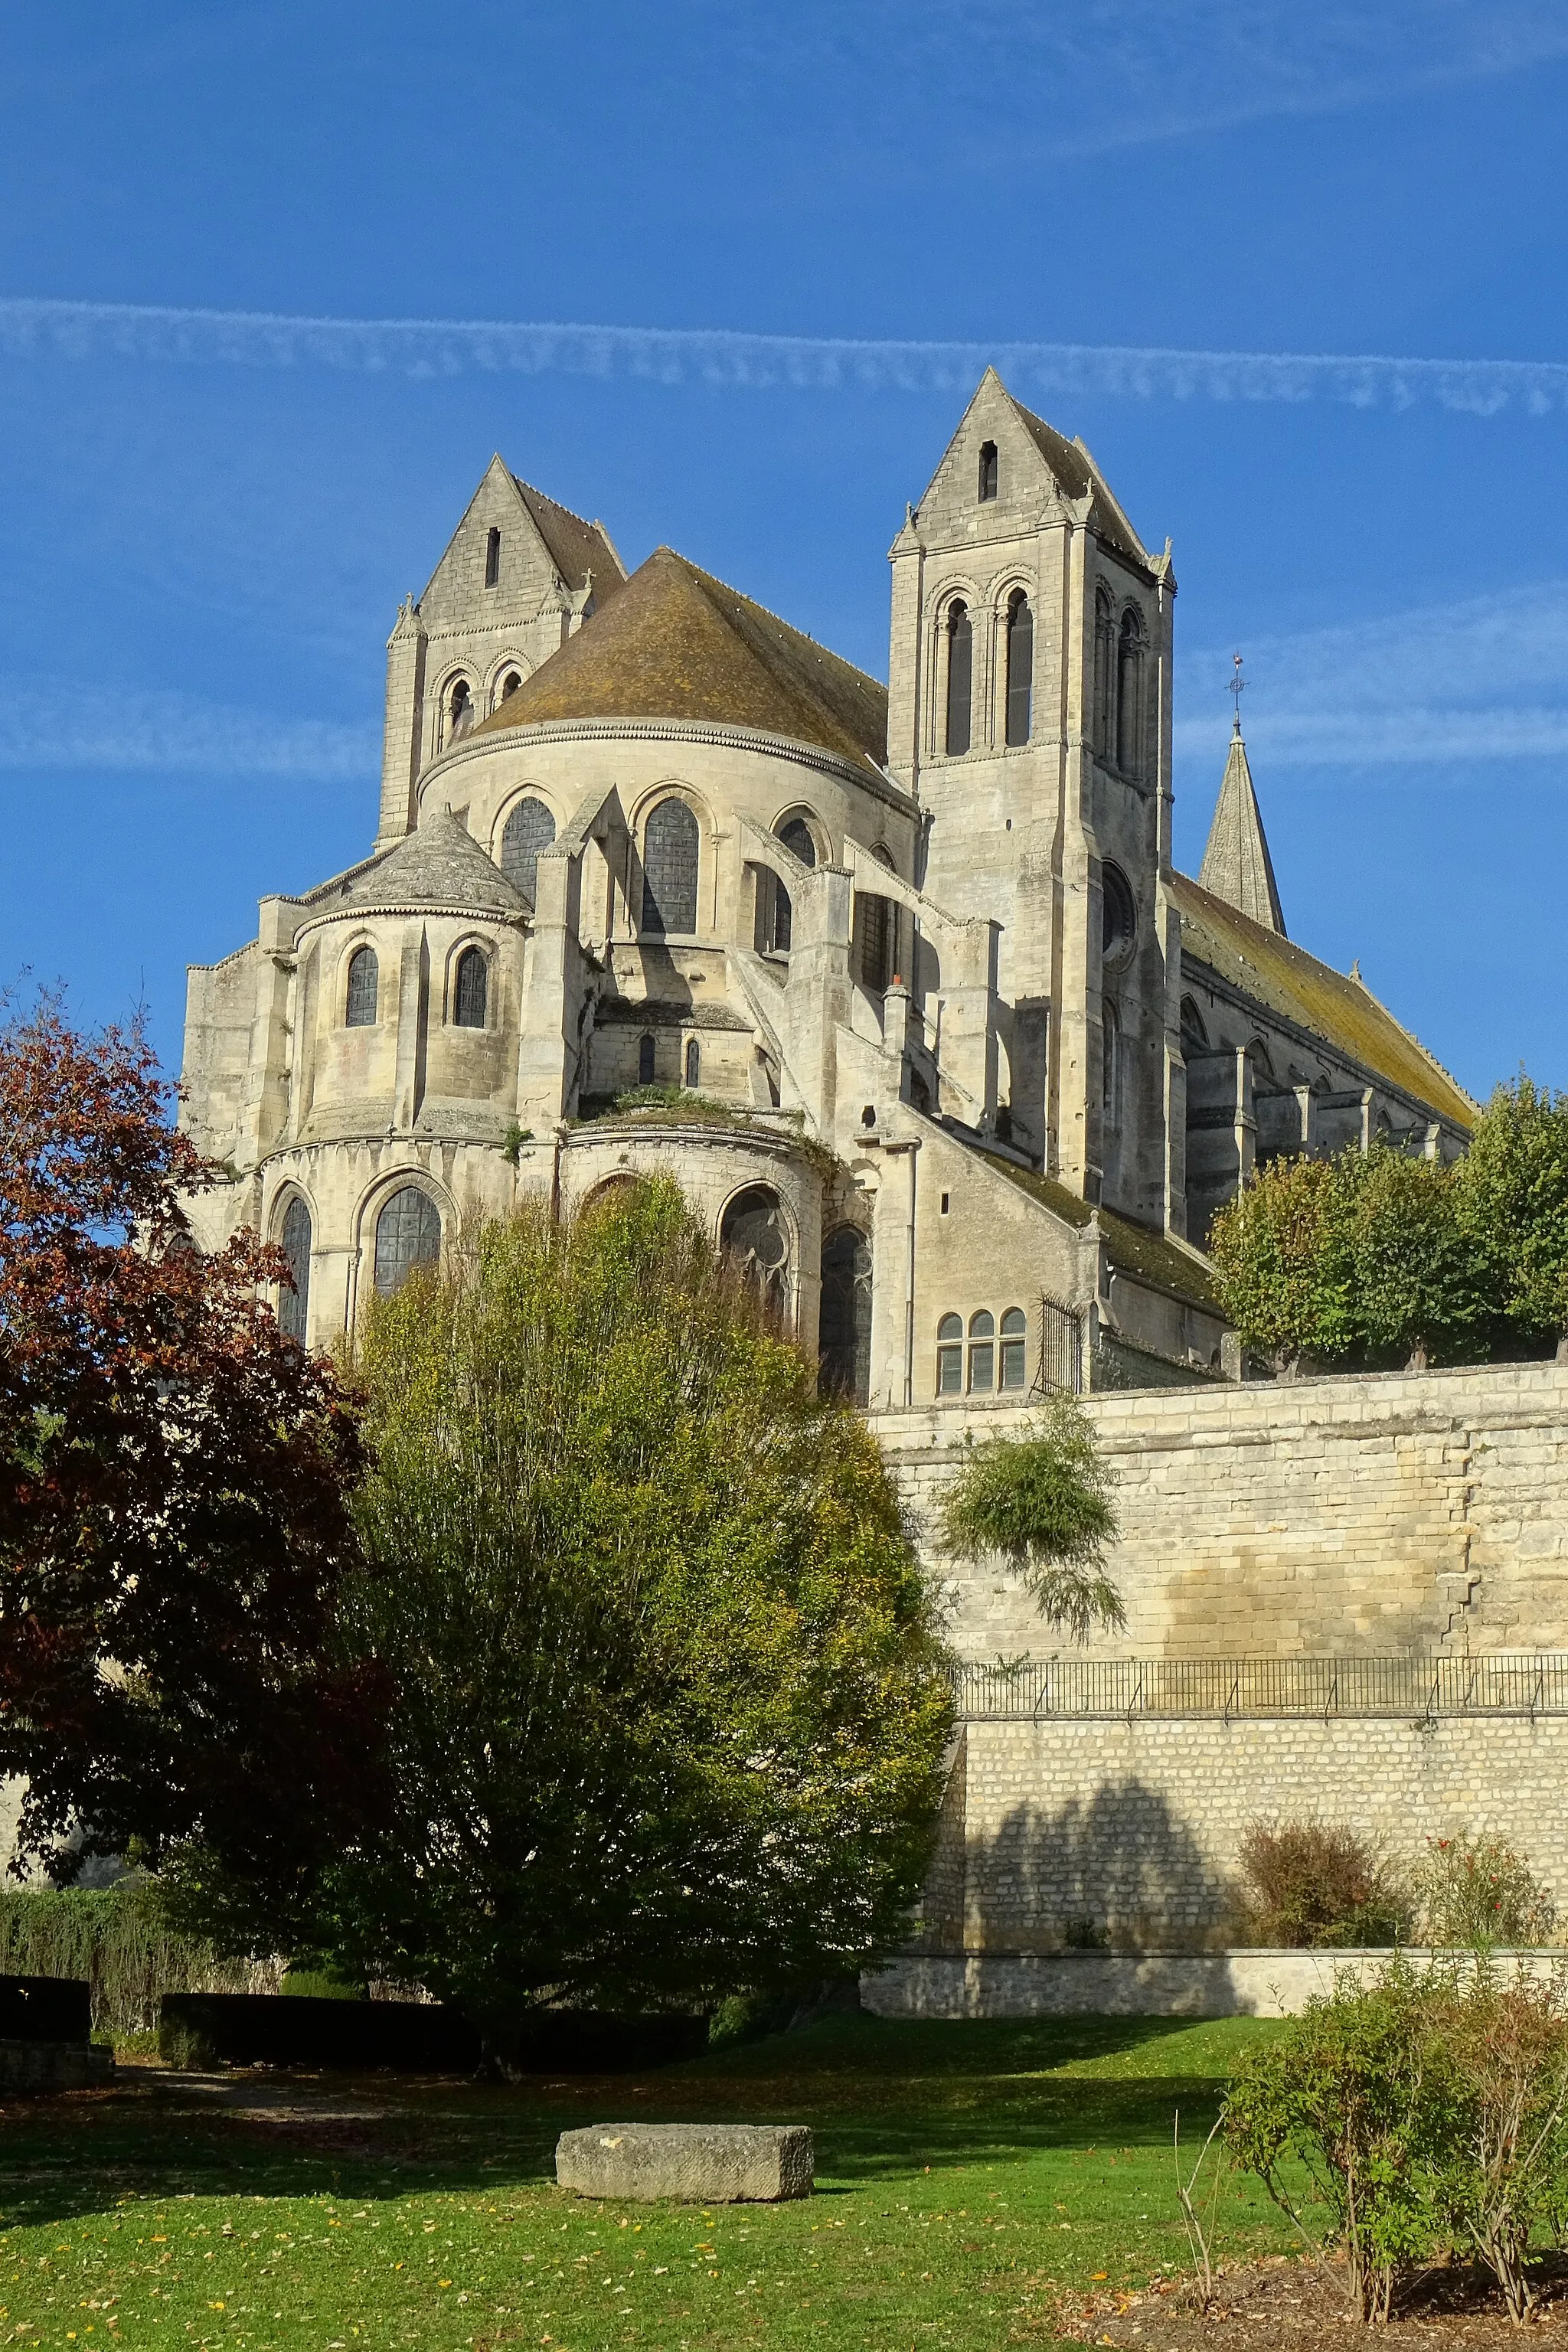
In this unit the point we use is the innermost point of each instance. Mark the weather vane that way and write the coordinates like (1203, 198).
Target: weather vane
(1236, 688)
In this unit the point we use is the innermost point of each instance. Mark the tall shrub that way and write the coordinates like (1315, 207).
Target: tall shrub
(1477, 1892)
(122, 1940)
(1314, 1884)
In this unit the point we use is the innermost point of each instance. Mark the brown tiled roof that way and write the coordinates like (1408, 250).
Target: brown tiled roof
(678, 644)
(1287, 981)
(576, 548)
(1131, 1248)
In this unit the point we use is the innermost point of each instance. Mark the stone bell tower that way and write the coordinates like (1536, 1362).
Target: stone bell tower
(1029, 713)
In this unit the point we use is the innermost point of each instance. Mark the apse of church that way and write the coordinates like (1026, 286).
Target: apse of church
(898, 982)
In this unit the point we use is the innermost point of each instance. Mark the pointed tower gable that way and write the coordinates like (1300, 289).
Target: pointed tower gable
(1236, 866)
(545, 552)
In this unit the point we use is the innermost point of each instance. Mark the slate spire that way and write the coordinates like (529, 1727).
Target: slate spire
(1236, 866)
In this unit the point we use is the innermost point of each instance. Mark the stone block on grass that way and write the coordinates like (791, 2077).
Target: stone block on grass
(700, 2164)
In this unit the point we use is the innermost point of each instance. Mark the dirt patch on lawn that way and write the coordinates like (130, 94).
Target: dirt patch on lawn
(1285, 2305)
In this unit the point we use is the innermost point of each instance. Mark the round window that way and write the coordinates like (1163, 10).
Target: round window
(1120, 915)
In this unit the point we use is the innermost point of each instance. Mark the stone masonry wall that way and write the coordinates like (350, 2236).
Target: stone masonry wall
(1135, 1827)
(1384, 1515)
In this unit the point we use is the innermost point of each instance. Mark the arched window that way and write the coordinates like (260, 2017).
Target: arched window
(407, 1233)
(987, 470)
(645, 1058)
(1193, 1033)
(1119, 915)
(753, 1237)
(844, 1330)
(1130, 693)
(982, 1354)
(1104, 671)
(950, 1356)
(669, 870)
(492, 558)
(1110, 1094)
(471, 989)
(796, 835)
(694, 1063)
(507, 687)
(1020, 668)
(459, 710)
(960, 675)
(294, 1305)
(529, 829)
(879, 932)
(1015, 1348)
(359, 1007)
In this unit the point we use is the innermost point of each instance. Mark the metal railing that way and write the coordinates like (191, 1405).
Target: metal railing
(1409, 1689)
(1061, 1347)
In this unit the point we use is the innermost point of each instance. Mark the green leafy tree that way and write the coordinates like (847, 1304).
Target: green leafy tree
(669, 1698)
(1043, 1500)
(1419, 1284)
(1284, 1260)
(1512, 1199)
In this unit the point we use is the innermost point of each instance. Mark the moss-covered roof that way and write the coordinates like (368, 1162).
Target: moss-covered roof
(675, 643)
(576, 546)
(1080, 477)
(1131, 1248)
(438, 864)
(1341, 1011)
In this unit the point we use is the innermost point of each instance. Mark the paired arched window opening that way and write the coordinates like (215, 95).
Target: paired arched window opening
(470, 990)
(1020, 668)
(994, 1361)
(529, 829)
(753, 1237)
(294, 1237)
(669, 869)
(1104, 671)
(987, 471)
(359, 1002)
(407, 1233)
(492, 558)
(694, 1063)
(844, 1327)
(796, 837)
(1130, 693)
(960, 675)
(459, 710)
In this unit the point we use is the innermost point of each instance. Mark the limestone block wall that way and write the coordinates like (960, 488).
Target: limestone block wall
(1371, 1515)
(1135, 1828)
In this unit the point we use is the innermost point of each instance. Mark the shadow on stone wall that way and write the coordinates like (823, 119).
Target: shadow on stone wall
(1119, 1869)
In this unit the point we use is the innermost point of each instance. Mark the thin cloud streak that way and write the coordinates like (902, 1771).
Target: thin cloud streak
(732, 358)
(52, 727)
(1465, 684)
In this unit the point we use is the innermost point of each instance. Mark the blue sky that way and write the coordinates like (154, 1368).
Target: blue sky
(205, 526)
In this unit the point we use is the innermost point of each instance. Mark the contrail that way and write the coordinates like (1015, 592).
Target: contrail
(730, 358)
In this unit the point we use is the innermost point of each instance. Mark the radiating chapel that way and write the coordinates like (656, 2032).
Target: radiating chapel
(899, 980)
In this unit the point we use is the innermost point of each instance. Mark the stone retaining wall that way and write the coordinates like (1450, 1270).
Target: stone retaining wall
(1151, 1984)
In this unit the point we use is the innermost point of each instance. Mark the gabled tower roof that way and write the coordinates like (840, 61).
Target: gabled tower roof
(1236, 866)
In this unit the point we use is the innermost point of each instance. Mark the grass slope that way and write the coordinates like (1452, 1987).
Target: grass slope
(973, 2181)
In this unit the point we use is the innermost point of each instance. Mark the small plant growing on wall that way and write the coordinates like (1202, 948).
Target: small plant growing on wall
(1043, 1500)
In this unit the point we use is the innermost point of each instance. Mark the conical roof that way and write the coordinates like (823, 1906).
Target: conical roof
(440, 864)
(1236, 866)
(675, 643)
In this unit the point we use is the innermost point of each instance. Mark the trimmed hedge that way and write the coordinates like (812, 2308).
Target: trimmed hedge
(45, 2008)
(197, 2029)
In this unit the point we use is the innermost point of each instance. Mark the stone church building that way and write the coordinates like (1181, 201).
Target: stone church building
(899, 980)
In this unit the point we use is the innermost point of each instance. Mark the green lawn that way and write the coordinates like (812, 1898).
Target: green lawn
(973, 2180)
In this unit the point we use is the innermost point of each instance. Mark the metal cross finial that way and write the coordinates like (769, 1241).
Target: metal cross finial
(1237, 687)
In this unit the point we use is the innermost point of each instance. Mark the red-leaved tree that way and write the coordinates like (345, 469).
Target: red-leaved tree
(174, 1481)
